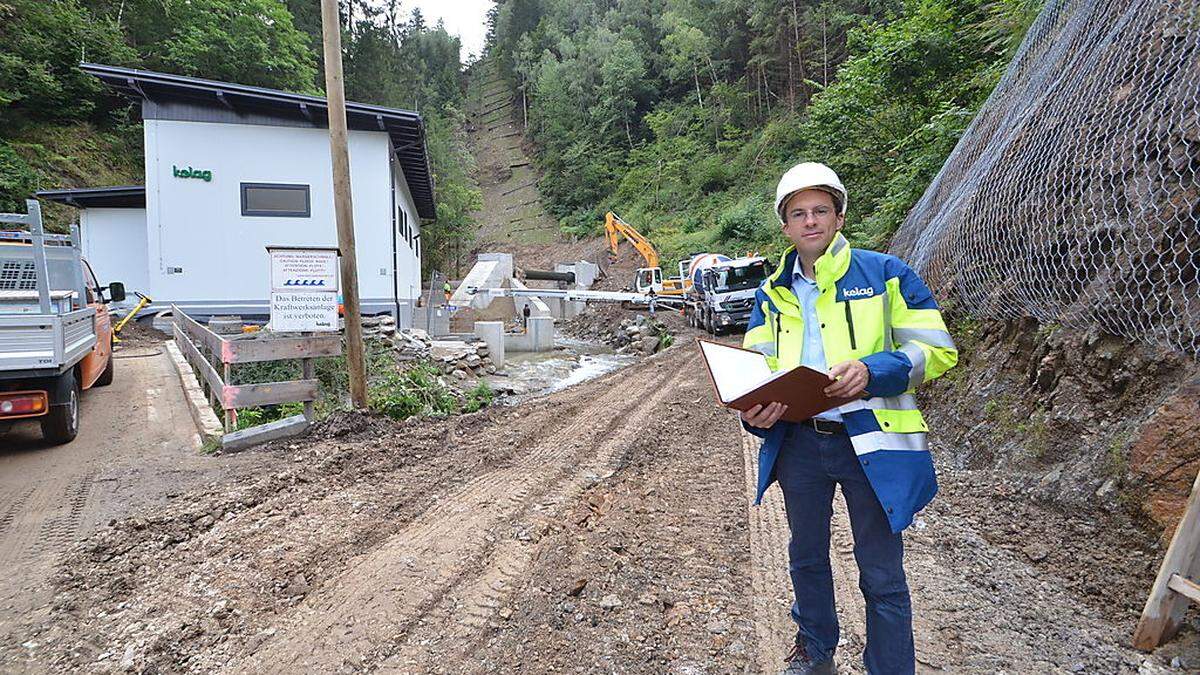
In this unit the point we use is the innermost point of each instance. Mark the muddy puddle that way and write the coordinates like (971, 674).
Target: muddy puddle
(571, 362)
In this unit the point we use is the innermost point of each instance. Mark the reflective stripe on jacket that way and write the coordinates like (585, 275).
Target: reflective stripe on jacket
(872, 307)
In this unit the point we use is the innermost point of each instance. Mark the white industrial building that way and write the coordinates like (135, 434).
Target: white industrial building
(232, 169)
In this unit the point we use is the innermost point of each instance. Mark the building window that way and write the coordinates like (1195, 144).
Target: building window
(405, 231)
(275, 199)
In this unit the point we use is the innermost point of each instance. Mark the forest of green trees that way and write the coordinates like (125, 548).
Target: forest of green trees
(60, 128)
(680, 115)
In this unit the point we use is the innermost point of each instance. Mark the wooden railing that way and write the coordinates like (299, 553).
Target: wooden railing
(194, 338)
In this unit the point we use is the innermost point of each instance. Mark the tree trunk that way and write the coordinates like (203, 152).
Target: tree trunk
(824, 53)
(696, 78)
(798, 53)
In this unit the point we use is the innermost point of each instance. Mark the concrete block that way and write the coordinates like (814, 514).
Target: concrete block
(207, 424)
(504, 263)
(541, 331)
(585, 272)
(539, 337)
(484, 274)
(492, 333)
(288, 426)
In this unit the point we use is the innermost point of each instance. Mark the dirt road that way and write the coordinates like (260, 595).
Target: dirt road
(606, 527)
(136, 451)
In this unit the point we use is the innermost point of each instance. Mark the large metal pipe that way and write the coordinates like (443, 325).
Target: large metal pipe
(540, 275)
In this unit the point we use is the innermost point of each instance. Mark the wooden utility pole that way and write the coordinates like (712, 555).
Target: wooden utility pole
(335, 94)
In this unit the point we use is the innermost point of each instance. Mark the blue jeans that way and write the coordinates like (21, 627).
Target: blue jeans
(808, 467)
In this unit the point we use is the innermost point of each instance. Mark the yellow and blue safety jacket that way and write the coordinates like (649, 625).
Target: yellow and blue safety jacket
(874, 308)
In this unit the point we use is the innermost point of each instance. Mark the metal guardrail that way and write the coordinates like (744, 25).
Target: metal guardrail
(194, 338)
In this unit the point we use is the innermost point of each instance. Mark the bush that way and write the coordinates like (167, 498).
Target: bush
(416, 391)
(478, 398)
(18, 181)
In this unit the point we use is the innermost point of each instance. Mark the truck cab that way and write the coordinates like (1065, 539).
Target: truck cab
(725, 296)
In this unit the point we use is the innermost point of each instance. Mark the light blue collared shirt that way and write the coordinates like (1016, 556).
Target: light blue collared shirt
(813, 353)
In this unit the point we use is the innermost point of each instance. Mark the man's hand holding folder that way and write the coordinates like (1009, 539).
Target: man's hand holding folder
(743, 381)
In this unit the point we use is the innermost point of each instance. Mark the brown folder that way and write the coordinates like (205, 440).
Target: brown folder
(741, 382)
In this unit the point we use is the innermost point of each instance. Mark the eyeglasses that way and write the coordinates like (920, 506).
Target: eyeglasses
(819, 213)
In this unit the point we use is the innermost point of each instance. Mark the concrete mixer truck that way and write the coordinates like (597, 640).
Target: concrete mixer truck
(721, 294)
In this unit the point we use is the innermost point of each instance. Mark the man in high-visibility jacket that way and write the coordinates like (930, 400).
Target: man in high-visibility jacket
(872, 324)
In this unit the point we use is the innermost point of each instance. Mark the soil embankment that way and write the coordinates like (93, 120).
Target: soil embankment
(512, 219)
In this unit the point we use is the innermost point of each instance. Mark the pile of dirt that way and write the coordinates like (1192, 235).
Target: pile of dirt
(627, 330)
(139, 334)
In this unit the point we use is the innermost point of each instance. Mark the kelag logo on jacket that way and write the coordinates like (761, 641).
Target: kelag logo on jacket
(859, 292)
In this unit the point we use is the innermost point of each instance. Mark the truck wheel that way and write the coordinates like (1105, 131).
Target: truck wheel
(61, 424)
(106, 378)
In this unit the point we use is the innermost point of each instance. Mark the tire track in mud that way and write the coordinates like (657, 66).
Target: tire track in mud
(850, 604)
(772, 584)
(13, 508)
(449, 556)
(44, 519)
(484, 594)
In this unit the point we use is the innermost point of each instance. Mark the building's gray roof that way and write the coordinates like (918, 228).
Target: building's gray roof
(116, 197)
(406, 128)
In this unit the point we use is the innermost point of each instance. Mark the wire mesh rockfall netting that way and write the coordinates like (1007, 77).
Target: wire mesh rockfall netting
(1074, 195)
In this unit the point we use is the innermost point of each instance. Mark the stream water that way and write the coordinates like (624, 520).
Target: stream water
(571, 362)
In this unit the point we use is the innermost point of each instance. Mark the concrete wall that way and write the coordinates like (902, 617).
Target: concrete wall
(538, 338)
(197, 225)
(492, 333)
(434, 320)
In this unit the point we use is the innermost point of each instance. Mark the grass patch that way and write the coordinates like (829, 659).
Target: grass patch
(1116, 460)
(1036, 435)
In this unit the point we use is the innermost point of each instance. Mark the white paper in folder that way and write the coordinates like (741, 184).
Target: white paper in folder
(734, 371)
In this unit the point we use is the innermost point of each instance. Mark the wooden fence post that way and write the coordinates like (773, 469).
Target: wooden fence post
(306, 369)
(1172, 588)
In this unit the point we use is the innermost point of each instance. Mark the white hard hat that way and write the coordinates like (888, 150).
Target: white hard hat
(809, 176)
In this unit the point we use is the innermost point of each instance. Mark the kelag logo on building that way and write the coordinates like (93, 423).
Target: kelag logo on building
(205, 175)
(304, 282)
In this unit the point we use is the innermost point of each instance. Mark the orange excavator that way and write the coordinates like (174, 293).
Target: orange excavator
(650, 277)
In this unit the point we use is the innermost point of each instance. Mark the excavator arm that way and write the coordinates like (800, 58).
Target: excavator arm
(614, 227)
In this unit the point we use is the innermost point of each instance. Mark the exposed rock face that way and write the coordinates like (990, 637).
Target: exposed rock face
(1081, 419)
(1165, 455)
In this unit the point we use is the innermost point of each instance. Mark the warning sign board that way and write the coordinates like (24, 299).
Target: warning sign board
(304, 289)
